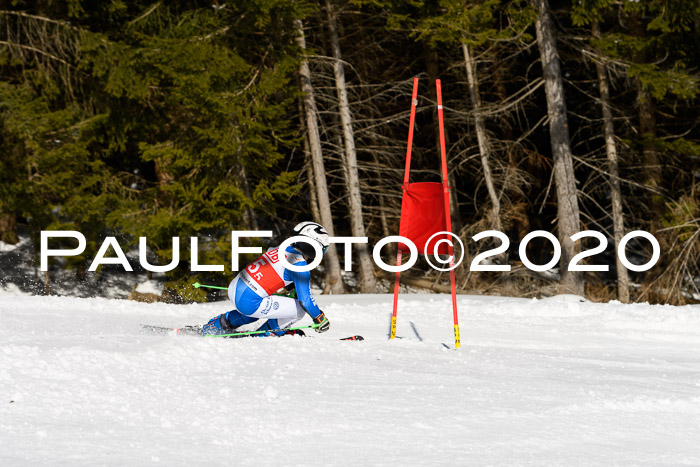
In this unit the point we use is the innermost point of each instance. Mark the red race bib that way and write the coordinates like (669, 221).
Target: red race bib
(264, 272)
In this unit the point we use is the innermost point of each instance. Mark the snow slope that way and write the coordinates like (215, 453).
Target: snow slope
(550, 382)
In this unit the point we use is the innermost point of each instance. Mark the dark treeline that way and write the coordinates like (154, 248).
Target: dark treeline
(186, 118)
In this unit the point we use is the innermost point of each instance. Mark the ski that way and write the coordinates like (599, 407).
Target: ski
(353, 338)
(185, 330)
(197, 331)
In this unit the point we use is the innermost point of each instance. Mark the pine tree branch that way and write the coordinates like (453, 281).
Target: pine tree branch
(145, 14)
(39, 51)
(38, 18)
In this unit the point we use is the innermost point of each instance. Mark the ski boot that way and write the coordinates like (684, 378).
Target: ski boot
(218, 325)
(273, 329)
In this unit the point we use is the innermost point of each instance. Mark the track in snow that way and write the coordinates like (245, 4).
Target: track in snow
(553, 382)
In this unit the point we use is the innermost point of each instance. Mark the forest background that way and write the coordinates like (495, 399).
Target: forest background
(187, 118)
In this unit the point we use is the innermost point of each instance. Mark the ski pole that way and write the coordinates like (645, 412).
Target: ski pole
(197, 285)
(251, 333)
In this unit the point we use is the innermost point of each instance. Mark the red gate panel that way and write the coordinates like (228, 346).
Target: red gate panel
(422, 215)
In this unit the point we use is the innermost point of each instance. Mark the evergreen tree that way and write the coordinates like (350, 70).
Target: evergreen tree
(175, 122)
(652, 52)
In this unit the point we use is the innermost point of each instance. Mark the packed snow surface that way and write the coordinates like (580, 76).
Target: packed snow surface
(556, 381)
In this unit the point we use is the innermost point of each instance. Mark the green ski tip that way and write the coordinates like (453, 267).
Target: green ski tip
(196, 285)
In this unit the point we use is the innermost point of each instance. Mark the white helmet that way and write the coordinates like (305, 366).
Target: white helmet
(314, 231)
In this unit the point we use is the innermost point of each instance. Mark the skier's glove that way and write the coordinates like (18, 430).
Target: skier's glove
(290, 290)
(321, 323)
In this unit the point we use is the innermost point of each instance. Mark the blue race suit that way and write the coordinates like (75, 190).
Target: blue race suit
(252, 291)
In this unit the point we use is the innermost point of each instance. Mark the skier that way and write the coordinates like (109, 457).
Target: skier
(251, 291)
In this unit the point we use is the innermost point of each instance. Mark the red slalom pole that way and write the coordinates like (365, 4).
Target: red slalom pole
(392, 334)
(414, 104)
(448, 220)
(407, 171)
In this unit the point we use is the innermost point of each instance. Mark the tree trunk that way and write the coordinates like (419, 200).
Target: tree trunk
(481, 137)
(334, 275)
(652, 165)
(249, 218)
(367, 282)
(47, 283)
(650, 157)
(313, 198)
(382, 204)
(564, 178)
(313, 201)
(8, 228)
(623, 292)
